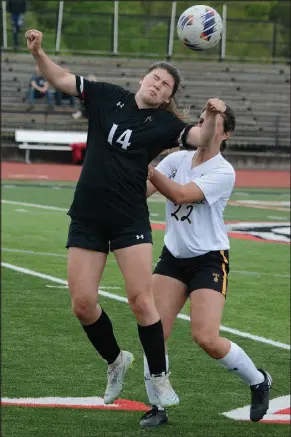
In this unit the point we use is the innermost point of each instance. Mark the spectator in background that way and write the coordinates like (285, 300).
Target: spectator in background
(60, 96)
(38, 88)
(17, 10)
(82, 112)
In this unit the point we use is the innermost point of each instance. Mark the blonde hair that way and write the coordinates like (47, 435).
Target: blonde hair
(172, 106)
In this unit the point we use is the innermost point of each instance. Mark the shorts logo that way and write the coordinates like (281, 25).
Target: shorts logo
(139, 236)
(215, 277)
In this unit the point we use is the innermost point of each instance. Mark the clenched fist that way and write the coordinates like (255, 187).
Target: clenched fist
(215, 106)
(34, 38)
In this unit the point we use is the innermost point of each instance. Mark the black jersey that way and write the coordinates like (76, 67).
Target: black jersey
(122, 140)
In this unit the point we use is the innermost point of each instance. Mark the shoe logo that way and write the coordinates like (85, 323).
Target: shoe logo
(232, 370)
(120, 104)
(215, 277)
(139, 236)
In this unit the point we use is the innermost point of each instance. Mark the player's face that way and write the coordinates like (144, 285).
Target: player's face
(156, 87)
(220, 135)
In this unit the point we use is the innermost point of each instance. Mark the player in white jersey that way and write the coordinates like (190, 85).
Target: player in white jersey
(194, 262)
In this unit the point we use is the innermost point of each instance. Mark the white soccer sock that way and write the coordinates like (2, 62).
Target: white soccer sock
(238, 362)
(153, 400)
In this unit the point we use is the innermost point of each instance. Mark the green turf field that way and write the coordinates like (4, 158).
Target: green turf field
(45, 352)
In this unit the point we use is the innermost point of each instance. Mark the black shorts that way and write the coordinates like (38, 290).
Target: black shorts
(205, 271)
(102, 237)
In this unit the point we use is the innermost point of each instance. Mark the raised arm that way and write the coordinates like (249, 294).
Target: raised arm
(55, 75)
(203, 136)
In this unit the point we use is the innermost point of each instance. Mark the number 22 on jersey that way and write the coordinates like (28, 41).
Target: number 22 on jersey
(123, 139)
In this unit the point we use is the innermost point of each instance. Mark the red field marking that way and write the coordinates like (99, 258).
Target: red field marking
(246, 236)
(158, 226)
(52, 172)
(87, 403)
(284, 411)
(62, 172)
(254, 238)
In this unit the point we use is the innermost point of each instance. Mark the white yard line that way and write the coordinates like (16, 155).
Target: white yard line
(31, 252)
(124, 299)
(60, 255)
(66, 286)
(34, 205)
(244, 272)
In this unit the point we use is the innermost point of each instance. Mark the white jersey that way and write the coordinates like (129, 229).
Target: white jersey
(196, 228)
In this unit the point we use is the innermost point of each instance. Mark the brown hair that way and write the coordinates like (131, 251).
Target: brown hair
(228, 124)
(172, 106)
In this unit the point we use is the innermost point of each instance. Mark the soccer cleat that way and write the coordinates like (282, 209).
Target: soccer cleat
(260, 397)
(154, 418)
(164, 391)
(115, 376)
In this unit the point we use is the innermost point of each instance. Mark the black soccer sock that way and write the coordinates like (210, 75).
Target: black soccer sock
(101, 335)
(152, 340)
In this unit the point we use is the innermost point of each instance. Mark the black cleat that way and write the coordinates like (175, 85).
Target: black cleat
(153, 418)
(260, 397)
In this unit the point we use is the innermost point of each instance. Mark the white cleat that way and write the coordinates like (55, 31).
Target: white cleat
(115, 376)
(164, 391)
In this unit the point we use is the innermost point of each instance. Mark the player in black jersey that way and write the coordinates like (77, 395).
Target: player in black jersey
(109, 211)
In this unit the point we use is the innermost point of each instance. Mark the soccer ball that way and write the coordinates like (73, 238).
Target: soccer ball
(200, 27)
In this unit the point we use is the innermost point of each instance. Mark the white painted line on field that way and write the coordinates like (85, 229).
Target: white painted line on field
(276, 217)
(26, 176)
(66, 286)
(266, 202)
(257, 205)
(34, 205)
(31, 252)
(57, 286)
(273, 414)
(84, 402)
(124, 299)
(244, 272)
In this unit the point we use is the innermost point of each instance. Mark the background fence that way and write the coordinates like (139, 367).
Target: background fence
(110, 28)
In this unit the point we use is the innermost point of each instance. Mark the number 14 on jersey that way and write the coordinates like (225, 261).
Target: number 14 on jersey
(123, 139)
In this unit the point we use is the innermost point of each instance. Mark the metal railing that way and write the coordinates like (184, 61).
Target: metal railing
(115, 34)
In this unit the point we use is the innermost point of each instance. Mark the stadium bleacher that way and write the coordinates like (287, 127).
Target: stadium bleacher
(259, 95)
